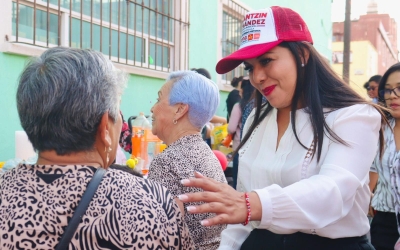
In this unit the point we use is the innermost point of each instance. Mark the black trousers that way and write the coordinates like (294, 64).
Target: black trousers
(384, 232)
(266, 240)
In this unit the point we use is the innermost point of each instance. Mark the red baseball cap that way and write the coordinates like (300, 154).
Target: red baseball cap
(263, 30)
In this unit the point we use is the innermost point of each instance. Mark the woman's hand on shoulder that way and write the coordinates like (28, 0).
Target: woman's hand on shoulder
(228, 204)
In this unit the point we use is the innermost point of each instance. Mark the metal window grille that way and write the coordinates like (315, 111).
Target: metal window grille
(145, 33)
(232, 18)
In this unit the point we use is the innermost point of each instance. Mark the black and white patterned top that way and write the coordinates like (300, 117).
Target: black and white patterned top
(383, 199)
(179, 161)
(395, 185)
(126, 212)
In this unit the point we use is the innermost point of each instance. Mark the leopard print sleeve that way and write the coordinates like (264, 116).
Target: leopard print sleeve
(184, 237)
(126, 212)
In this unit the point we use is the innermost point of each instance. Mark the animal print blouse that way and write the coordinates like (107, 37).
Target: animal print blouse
(127, 212)
(179, 161)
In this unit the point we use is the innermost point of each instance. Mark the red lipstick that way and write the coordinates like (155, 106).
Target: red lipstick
(268, 90)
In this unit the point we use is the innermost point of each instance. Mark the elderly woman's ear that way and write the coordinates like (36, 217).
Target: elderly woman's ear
(104, 139)
(104, 130)
(181, 110)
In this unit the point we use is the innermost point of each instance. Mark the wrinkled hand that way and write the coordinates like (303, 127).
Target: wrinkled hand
(228, 204)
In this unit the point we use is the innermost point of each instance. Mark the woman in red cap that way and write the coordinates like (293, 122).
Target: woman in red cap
(305, 155)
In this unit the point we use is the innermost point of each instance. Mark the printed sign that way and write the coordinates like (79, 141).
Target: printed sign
(258, 27)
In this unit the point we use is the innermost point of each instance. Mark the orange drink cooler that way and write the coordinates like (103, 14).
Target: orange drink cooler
(137, 136)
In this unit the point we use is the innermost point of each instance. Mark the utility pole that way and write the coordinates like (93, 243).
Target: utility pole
(346, 43)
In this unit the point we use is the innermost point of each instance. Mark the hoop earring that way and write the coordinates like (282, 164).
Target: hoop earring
(175, 121)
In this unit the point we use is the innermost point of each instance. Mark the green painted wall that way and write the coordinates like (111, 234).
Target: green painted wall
(202, 41)
(202, 36)
(10, 68)
(139, 96)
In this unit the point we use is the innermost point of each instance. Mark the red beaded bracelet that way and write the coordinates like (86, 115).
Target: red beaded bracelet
(246, 196)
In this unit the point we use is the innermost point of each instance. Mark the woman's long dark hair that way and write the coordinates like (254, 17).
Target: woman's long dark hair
(247, 93)
(317, 87)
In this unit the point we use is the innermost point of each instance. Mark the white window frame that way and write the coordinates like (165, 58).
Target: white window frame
(223, 5)
(8, 45)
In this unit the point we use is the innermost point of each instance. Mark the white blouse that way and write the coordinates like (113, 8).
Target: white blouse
(329, 198)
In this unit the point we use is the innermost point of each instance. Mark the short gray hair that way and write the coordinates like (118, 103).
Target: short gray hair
(62, 96)
(199, 92)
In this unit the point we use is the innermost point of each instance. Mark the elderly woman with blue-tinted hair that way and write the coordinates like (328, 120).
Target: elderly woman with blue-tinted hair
(186, 102)
(68, 103)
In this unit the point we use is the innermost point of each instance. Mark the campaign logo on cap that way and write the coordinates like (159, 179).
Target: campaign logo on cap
(262, 31)
(258, 27)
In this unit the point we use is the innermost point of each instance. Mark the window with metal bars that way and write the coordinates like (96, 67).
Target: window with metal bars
(146, 33)
(232, 18)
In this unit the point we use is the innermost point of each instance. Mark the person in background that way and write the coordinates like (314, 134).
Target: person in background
(235, 126)
(233, 96)
(248, 104)
(125, 140)
(68, 104)
(305, 155)
(366, 84)
(247, 111)
(384, 176)
(185, 103)
(203, 72)
(372, 88)
(206, 130)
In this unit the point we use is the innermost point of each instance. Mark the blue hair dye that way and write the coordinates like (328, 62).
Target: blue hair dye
(198, 92)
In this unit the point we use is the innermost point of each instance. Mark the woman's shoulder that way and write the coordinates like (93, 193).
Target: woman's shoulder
(7, 176)
(127, 189)
(184, 145)
(363, 117)
(192, 149)
(192, 154)
(356, 110)
(126, 183)
(139, 203)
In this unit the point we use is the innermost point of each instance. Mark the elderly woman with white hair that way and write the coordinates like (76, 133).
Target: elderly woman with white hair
(186, 102)
(68, 103)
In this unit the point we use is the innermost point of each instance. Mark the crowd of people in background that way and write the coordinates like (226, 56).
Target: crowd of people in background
(312, 159)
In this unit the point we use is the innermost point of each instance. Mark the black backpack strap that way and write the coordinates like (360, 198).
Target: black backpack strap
(81, 209)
